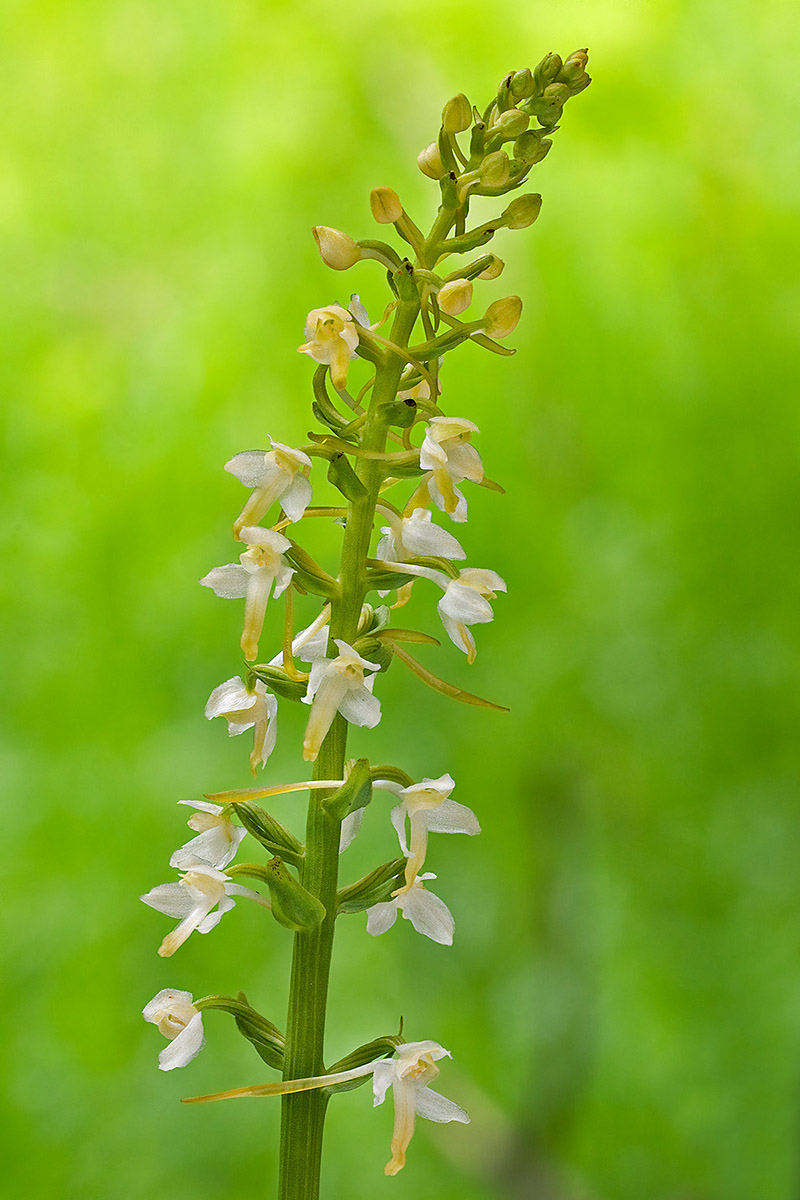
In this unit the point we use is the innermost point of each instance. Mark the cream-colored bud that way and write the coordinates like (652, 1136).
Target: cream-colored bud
(338, 249)
(455, 296)
(523, 211)
(430, 162)
(502, 317)
(385, 205)
(494, 269)
(494, 170)
(457, 114)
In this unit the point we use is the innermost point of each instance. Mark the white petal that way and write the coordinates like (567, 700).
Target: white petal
(230, 581)
(382, 1079)
(483, 579)
(398, 819)
(428, 914)
(296, 498)
(171, 898)
(421, 537)
(250, 467)
(238, 889)
(186, 1046)
(381, 917)
(267, 539)
(464, 460)
(215, 847)
(434, 1107)
(202, 806)
(464, 604)
(459, 635)
(360, 707)
(283, 577)
(229, 697)
(452, 817)
(166, 998)
(359, 312)
(350, 827)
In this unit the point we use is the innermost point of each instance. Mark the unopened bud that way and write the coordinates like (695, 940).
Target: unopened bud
(457, 114)
(511, 124)
(522, 84)
(523, 211)
(430, 162)
(502, 317)
(546, 71)
(557, 93)
(455, 296)
(531, 147)
(573, 72)
(338, 249)
(494, 269)
(292, 906)
(385, 205)
(494, 170)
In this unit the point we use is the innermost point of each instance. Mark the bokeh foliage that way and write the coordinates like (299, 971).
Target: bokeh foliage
(622, 999)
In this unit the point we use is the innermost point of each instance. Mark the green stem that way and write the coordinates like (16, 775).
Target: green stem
(303, 1114)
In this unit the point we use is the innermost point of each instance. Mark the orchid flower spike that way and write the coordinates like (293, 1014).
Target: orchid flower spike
(428, 914)
(447, 453)
(201, 890)
(332, 337)
(256, 710)
(415, 536)
(262, 565)
(217, 839)
(429, 809)
(409, 1074)
(177, 1018)
(338, 685)
(277, 474)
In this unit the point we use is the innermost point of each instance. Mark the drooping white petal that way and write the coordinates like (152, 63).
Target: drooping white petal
(381, 917)
(215, 847)
(360, 707)
(382, 1078)
(421, 537)
(350, 828)
(434, 1107)
(250, 466)
(398, 818)
(170, 1010)
(428, 914)
(460, 636)
(465, 604)
(172, 899)
(186, 1046)
(359, 312)
(297, 497)
(452, 817)
(231, 697)
(230, 582)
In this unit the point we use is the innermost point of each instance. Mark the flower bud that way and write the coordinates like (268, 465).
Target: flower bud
(573, 72)
(523, 211)
(355, 792)
(522, 84)
(455, 296)
(457, 114)
(502, 317)
(557, 93)
(430, 162)
(547, 70)
(385, 205)
(338, 249)
(531, 147)
(292, 906)
(511, 124)
(375, 888)
(494, 269)
(494, 170)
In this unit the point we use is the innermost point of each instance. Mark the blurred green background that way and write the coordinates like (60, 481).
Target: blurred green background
(622, 999)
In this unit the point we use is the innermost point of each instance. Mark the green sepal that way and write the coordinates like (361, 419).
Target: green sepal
(531, 147)
(373, 620)
(278, 681)
(401, 413)
(386, 581)
(375, 888)
(355, 792)
(336, 425)
(374, 650)
(437, 564)
(292, 906)
(382, 1047)
(322, 406)
(310, 574)
(405, 283)
(545, 72)
(344, 478)
(269, 832)
(266, 1038)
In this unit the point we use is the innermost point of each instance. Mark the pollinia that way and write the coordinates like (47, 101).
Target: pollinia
(400, 461)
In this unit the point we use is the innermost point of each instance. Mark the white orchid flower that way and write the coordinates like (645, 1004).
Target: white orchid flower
(243, 710)
(427, 913)
(338, 685)
(177, 1018)
(446, 452)
(466, 602)
(428, 808)
(201, 890)
(277, 474)
(217, 839)
(332, 338)
(351, 827)
(262, 566)
(409, 1074)
(415, 537)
